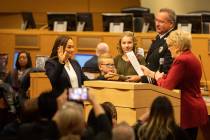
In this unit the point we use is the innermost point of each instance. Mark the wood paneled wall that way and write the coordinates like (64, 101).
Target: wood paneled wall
(40, 42)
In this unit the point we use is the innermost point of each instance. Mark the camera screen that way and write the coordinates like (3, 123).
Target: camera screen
(78, 93)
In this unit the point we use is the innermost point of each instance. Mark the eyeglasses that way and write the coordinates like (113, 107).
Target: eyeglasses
(108, 65)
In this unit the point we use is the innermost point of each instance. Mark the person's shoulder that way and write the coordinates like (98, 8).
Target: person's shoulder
(116, 58)
(52, 60)
(92, 60)
(168, 33)
(180, 134)
(73, 61)
(185, 56)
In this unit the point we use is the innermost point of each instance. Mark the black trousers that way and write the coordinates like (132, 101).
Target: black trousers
(192, 132)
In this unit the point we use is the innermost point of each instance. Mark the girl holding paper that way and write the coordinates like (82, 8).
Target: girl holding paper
(127, 43)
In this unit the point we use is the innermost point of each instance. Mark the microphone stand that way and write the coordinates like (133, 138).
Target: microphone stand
(204, 74)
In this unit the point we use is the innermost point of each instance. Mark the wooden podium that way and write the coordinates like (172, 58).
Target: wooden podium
(39, 83)
(130, 99)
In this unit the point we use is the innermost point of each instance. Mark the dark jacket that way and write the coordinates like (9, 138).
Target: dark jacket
(91, 65)
(158, 49)
(58, 76)
(20, 84)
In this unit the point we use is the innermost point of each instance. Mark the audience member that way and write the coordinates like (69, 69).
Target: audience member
(184, 74)
(63, 71)
(126, 44)
(99, 122)
(67, 121)
(8, 110)
(92, 64)
(123, 131)
(3, 66)
(19, 78)
(165, 23)
(92, 118)
(70, 120)
(159, 123)
(7, 95)
(111, 108)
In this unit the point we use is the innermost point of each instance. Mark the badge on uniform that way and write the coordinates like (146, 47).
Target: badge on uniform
(160, 49)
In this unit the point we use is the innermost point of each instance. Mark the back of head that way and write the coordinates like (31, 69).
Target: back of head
(70, 119)
(161, 116)
(91, 121)
(123, 131)
(102, 48)
(161, 108)
(111, 108)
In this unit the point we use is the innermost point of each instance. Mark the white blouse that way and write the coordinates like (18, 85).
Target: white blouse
(72, 75)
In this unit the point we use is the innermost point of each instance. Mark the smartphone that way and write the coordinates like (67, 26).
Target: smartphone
(79, 94)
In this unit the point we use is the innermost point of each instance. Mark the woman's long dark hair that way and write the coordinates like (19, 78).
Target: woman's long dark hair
(29, 62)
(60, 41)
(161, 122)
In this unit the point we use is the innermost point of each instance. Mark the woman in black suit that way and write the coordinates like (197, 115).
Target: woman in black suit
(61, 69)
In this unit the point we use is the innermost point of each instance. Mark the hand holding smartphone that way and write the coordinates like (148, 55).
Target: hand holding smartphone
(79, 94)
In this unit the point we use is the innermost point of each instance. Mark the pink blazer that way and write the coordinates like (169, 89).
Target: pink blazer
(185, 74)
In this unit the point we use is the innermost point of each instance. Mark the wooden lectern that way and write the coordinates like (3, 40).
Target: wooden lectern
(39, 83)
(130, 99)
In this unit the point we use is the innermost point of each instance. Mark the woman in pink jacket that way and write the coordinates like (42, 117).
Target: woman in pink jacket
(184, 74)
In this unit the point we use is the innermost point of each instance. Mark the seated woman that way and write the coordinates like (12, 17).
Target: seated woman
(127, 43)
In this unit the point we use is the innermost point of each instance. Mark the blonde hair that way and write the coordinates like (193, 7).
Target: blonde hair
(104, 56)
(182, 39)
(128, 34)
(123, 131)
(70, 119)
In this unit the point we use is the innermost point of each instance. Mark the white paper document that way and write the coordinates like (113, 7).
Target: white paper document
(135, 63)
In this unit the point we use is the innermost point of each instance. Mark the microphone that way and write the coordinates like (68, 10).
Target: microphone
(204, 74)
(161, 62)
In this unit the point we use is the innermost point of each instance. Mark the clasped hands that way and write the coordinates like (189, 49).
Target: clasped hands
(117, 77)
(112, 76)
(147, 72)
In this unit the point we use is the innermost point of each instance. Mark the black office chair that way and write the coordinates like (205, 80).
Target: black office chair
(137, 11)
(138, 24)
(142, 16)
